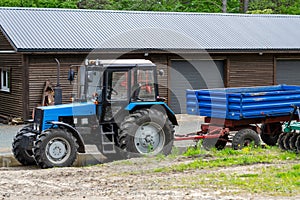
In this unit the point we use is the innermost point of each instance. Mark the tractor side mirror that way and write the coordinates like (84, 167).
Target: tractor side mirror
(161, 72)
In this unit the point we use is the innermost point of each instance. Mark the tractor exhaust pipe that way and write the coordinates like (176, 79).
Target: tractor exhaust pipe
(57, 88)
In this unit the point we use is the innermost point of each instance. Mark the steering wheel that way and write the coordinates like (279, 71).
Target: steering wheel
(112, 91)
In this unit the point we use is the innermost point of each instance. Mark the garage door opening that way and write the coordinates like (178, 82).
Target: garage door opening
(288, 72)
(193, 74)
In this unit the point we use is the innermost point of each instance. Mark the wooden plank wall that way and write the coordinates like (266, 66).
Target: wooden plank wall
(250, 70)
(44, 67)
(11, 104)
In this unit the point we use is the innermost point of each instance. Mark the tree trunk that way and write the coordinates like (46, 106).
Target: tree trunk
(244, 6)
(224, 6)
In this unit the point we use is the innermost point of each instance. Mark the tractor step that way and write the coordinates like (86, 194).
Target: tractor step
(108, 145)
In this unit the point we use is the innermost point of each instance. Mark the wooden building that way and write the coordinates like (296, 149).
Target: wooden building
(194, 50)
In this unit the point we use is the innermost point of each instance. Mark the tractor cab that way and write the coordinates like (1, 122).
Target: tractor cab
(113, 84)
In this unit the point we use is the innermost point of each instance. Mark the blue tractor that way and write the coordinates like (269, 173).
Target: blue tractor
(117, 108)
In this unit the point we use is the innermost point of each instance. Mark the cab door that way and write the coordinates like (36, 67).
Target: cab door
(116, 94)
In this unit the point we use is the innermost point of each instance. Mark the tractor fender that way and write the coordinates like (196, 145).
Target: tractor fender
(74, 132)
(140, 105)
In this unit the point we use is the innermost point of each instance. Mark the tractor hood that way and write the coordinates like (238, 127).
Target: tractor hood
(74, 109)
(44, 115)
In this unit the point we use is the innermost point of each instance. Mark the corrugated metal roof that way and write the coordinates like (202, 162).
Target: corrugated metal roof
(33, 29)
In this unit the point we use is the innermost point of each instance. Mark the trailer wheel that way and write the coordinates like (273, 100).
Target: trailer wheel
(218, 143)
(293, 141)
(270, 133)
(280, 141)
(286, 140)
(245, 137)
(55, 148)
(146, 132)
(22, 146)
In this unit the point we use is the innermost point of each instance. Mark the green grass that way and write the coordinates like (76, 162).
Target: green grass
(272, 181)
(230, 157)
(279, 179)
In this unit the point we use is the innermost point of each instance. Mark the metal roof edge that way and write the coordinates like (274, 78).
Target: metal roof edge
(149, 51)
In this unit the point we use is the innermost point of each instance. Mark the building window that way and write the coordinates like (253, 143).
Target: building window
(5, 79)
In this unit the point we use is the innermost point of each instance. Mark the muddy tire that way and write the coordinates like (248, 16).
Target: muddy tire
(146, 132)
(245, 137)
(22, 146)
(55, 148)
(270, 133)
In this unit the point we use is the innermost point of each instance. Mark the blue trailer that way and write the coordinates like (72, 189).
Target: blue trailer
(247, 110)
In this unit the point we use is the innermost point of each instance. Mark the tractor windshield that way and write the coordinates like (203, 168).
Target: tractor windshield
(90, 84)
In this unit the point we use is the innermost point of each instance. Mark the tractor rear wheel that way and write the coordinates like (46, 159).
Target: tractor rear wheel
(280, 141)
(22, 146)
(146, 132)
(55, 148)
(245, 137)
(270, 133)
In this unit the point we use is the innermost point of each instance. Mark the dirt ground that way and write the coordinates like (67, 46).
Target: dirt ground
(127, 179)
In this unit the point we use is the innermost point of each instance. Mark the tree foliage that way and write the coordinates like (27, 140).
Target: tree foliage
(163, 5)
(40, 3)
(212, 6)
(275, 6)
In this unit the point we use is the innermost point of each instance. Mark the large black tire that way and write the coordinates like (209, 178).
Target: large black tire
(280, 141)
(146, 132)
(270, 133)
(245, 137)
(22, 146)
(218, 143)
(55, 148)
(286, 140)
(293, 141)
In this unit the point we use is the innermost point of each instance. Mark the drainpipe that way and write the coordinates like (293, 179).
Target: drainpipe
(57, 88)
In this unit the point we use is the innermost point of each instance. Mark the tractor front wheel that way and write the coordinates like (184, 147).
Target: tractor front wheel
(146, 132)
(55, 148)
(22, 146)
